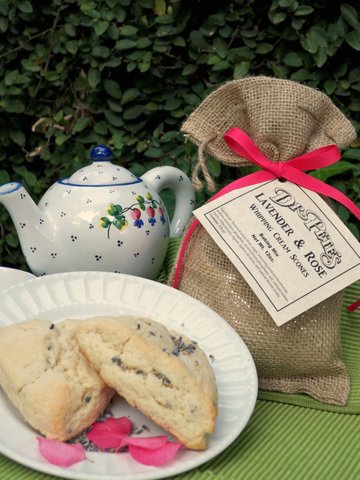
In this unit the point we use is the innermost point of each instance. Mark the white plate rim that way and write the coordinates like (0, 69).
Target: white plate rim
(28, 286)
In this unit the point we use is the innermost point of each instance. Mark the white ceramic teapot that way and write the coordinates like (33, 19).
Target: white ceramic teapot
(101, 218)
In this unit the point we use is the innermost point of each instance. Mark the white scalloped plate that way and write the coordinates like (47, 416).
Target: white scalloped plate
(85, 294)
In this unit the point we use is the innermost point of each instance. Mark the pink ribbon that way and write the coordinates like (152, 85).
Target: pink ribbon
(353, 306)
(292, 170)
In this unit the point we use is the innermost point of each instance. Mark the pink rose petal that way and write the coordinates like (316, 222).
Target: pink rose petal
(111, 433)
(60, 453)
(156, 457)
(151, 443)
(121, 425)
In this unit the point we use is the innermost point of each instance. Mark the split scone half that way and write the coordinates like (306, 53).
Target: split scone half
(163, 374)
(49, 380)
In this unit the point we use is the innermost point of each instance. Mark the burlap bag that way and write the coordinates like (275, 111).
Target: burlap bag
(284, 119)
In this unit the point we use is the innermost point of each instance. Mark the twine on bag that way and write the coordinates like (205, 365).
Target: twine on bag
(201, 166)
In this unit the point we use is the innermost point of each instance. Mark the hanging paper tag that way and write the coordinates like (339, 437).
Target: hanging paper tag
(286, 242)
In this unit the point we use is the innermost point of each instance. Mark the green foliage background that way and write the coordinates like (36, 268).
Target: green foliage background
(75, 73)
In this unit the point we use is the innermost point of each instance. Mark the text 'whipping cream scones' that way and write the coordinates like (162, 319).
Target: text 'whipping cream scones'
(163, 374)
(49, 380)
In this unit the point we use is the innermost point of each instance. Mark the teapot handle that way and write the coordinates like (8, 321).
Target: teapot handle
(160, 178)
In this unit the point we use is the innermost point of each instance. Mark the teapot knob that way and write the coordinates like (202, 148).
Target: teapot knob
(101, 153)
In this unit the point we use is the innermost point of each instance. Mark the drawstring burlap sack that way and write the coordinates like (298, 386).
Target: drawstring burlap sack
(284, 119)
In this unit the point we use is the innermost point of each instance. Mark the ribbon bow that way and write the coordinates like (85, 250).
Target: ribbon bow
(292, 170)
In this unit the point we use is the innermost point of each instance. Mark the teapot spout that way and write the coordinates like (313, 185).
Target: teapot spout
(31, 223)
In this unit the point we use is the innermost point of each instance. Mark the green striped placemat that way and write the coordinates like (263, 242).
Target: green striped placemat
(280, 442)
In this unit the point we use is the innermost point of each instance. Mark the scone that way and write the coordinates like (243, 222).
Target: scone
(48, 379)
(165, 375)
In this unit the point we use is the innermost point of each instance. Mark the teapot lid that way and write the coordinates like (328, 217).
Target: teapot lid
(101, 171)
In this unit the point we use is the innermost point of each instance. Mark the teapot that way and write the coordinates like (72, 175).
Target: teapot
(101, 218)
